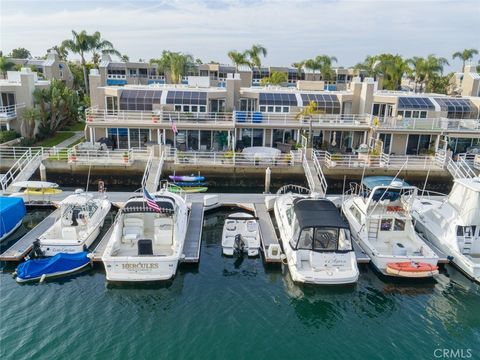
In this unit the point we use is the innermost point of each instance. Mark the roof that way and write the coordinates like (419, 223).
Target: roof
(372, 181)
(317, 213)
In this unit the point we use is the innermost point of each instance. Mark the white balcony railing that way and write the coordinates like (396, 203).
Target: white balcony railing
(292, 119)
(10, 112)
(117, 76)
(439, 123)
(157, 117)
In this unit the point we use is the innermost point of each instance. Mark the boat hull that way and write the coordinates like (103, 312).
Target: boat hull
(51, 248)
(136, 270)
(6, 235)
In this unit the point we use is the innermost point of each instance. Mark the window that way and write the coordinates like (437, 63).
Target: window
(178, 107)
(286, 109)
(270, 109)
(203, 108)
(326, 239)
(399, 225)
(263, 108)
(386, 225)
(344, 241)
(305, 239)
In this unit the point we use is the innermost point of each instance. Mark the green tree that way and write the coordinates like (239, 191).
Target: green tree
(254, 54)
(299, 66)
(57, 106)
(432, 67)
(83, 43)
(5, 66)
(20, 53)
(238, 58)
(60, 50)
(307, 113)
(322, 63)
(29, 118)
(125, 58)
(275, 78)
(465, 55)
(176, 63)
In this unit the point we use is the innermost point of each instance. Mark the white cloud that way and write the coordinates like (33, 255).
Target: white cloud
(291, 30)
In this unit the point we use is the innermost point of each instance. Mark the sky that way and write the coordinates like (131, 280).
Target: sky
(291, 30)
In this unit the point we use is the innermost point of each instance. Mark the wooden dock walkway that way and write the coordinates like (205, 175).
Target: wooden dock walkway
(23, 246)
(268, 235)
(102, 244)
(362, 257)
(193, 238)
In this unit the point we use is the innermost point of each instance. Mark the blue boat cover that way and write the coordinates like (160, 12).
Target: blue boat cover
(371, 181)
(60, 263)
(12, 210)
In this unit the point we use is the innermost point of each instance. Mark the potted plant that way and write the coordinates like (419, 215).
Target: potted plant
(89, 118)
(155, 118)
(72, 158)
(125, 157)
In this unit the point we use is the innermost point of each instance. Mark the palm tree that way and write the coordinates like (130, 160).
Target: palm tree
(326, 65)
(5, 65)
(275, 78)
(254, 54)
(125, 58)
(307, 114)
(96, 59)
(238, 58)
(177, 63)
(60, 50)
(417, 71)
(80, 44)
(299, 67)
(83, 43)
(465, 55)
(313, 64)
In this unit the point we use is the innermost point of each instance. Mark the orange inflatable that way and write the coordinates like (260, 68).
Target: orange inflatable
(412, 269)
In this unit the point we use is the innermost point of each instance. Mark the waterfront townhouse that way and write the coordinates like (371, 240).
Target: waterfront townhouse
(52, 67)
(213, 113)
(16, 94)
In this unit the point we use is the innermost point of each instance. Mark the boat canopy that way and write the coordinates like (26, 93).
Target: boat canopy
(80, 199)
(371, 181)
(317, 213)
(138, 204)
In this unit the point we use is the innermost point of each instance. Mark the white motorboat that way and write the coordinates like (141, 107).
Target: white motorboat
(379, 214)
(146, 244)
(240, 234)
(315, 239)
(80, 218)
(452, 224)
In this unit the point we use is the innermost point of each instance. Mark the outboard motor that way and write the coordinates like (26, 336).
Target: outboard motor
(238, 245)
(36, 251)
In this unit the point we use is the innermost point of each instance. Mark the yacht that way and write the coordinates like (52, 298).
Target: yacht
(379, 214)
(81, 215)
(240, 234)
(315, 239)
(146, 243)
(452, 224)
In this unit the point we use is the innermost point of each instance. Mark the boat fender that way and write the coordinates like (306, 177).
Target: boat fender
(283, 257)
(450, 258)
(14, 275)
(90, 256)
(42, 278)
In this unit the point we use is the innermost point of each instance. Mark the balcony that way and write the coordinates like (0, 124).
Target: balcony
(116, 79)
(290, 120)
(160, 119)
(428, 124)
(8, 113)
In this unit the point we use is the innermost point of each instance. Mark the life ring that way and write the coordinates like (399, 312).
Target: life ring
(394, 208)
(412, 269)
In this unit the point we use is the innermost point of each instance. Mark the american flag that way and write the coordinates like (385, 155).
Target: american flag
(150, 201)
(174, 127)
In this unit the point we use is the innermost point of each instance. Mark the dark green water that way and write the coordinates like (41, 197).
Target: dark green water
(223, 310)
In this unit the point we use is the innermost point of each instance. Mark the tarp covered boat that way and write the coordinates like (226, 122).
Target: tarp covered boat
(58, 265)
(12, 211)
(186, 178)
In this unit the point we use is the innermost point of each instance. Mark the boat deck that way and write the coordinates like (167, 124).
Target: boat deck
(23, 246)
(193, 238)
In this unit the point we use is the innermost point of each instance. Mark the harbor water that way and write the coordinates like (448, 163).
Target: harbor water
(233, 309)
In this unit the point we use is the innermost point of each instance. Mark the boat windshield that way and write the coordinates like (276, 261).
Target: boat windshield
(324, 239)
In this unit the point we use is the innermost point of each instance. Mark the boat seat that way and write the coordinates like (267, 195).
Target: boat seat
(133, 222)
(145, 247)
(132, 233)
(163, 231)
(69, 233)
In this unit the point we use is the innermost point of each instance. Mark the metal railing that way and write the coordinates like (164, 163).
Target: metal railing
(460, 169)
(106, 157)
(10, 112)
(393, 162)
(438, 123)
(231, 159)
(116, 76)
(16, 152)
(320, 174)
(157, 117)
(20, 168)
(290, 118)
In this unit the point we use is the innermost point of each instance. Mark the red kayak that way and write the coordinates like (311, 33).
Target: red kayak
(412, 269)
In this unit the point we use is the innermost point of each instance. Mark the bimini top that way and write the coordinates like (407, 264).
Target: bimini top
(317, 213)
(371, 181)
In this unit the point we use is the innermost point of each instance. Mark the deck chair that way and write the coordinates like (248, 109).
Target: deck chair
(145, 247)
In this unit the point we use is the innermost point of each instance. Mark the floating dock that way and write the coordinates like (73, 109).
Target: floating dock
(23, 246)
(268, 235)
(102, 244)
(193, 238)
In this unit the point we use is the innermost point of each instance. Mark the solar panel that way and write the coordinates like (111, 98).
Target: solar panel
(187, 97)
(278, 99)
(326, 102)
(456, 108)
(139, 100)
(420, 103)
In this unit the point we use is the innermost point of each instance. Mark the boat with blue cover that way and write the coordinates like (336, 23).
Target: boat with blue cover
(12, 212)
(55, 266)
